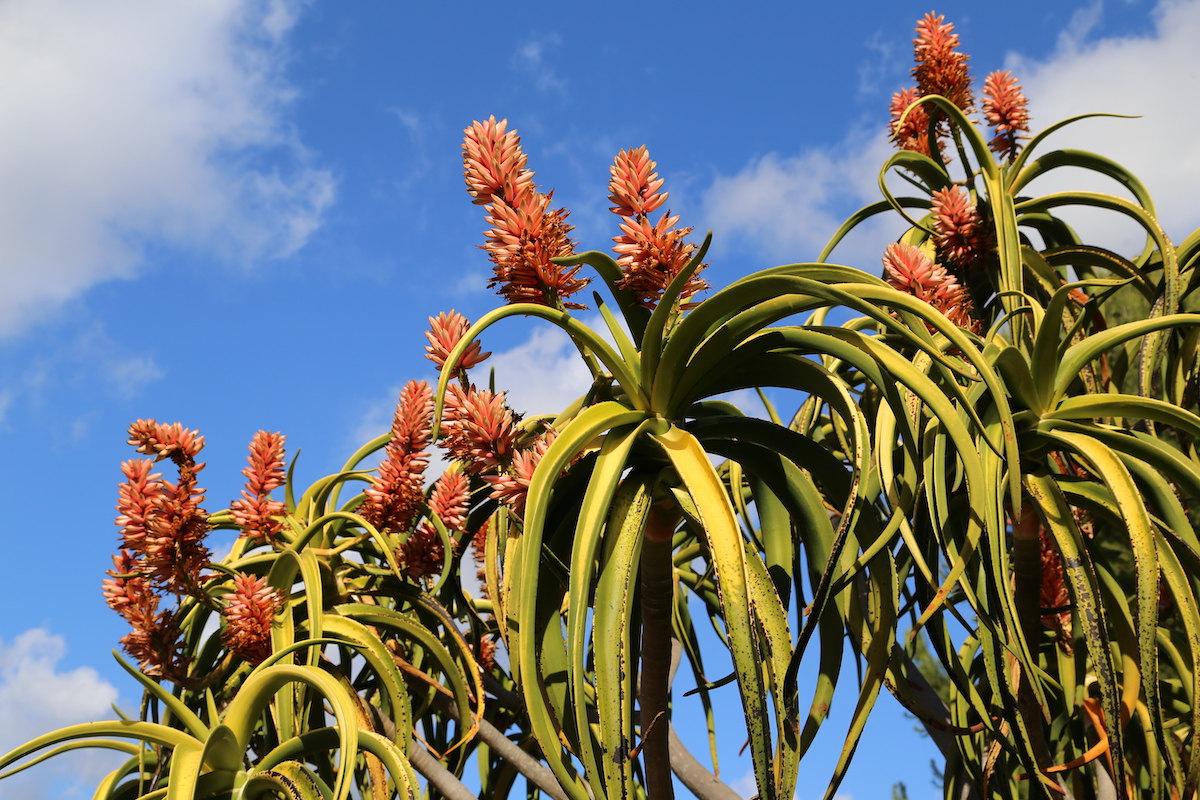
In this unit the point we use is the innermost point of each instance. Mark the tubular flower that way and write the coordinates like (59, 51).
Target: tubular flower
(525, 233)
(512, 488)
(1005, 110)
(422, 554)
(634, 185)
(395, 494)
(450, 500)
(445, 331)
(910, 270)
(252, 607)
(155, 640)
(493, 162)
(165, 441)
(523, 239)
(962, 238)
(940, 68)
(913, 132)
(479, 429)
(162, 523)
(255, 512)
(649, 254)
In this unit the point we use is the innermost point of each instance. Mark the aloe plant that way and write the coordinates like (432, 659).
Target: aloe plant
(991, 470)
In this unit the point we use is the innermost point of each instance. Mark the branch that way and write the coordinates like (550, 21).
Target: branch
(535, 771)
(433, 771)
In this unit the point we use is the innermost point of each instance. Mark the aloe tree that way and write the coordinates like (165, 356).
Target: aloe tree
(993, 460)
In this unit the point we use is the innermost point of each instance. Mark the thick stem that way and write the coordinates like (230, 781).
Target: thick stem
(1027, 593)
(658, 590)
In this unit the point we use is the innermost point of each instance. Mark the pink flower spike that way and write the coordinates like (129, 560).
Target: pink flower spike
(445, 332)
(940, 68)
(252, 607)
(911, 271)
(255, 512)
(1004, 108)
(450, 499)
(396, 493)
(493, 162)
(635, 185)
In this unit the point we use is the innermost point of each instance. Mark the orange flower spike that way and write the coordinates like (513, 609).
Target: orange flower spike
(650, 255)
(395, 494)
(163, 441)
(252, 607)
(135, 500)
(940, 68)
(909, 270)
(635, 185)
(913, 133)
(525, 235)
(255, 512)
(493, 162)
(1004, 108)
(480, 429)
(450, 500)
(445, 332)
(513, 489)
(958, 225)
(422, 554)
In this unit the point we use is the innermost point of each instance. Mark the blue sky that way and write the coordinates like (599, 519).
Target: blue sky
(238, 214)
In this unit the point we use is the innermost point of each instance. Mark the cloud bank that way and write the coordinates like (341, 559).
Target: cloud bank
(36, 697)
(134, 122)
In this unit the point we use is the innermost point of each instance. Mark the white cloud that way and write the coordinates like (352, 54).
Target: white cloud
(543, 374)
(36, 697)
(136, 121)
(787, 206)
(1153, 76)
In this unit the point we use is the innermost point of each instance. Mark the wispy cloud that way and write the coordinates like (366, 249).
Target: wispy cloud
(37, 697)
(134, 123)
(530, 59)
(92, 358)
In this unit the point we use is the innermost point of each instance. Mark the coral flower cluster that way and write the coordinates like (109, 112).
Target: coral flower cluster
(162, 523)
(397, 492)
(910, 270)
(162, 548)
(445, 332)
(963, 239)
(251, 609)
(1005, 109)
(650, 254)
(255, 512)
(526, 235)
(941, 69)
